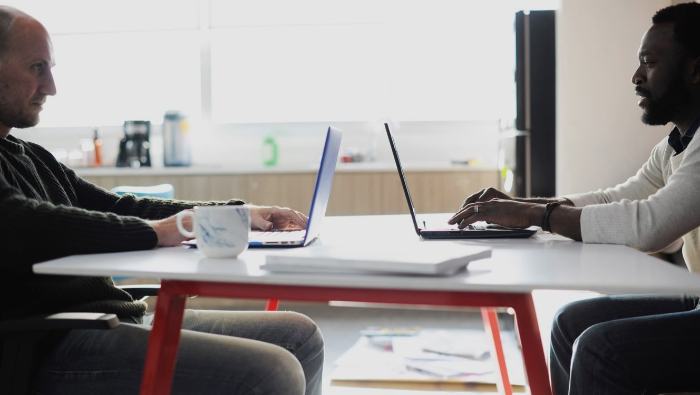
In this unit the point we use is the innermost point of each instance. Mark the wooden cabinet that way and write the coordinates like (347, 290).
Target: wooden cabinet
(353, 193)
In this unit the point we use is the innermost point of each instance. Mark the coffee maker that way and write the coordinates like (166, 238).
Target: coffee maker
(134, 147)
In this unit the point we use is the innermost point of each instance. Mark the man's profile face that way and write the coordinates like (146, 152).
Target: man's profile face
(25, 78)
(659, 78)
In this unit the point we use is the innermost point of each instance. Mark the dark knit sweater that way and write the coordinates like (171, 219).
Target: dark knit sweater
(49, 212)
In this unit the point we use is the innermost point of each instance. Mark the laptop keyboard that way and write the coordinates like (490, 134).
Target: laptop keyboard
(276, 235)
(468, 227)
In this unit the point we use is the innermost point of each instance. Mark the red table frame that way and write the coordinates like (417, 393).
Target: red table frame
(165, 335)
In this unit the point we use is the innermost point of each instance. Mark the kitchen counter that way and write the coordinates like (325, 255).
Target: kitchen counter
(358, 188)
(364, 167)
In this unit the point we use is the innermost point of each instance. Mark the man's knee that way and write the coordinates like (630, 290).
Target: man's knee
(272, 371)
(593, 341)
(308, 330)
(286, 375)
(565, 317)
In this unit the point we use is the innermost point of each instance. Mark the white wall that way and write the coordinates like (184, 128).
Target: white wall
(601, 140)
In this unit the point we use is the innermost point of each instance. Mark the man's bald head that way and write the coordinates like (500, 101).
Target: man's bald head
(8, 17)
(26, 60)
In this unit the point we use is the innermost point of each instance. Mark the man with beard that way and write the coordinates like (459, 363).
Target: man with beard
(49, 212)
(629, 344)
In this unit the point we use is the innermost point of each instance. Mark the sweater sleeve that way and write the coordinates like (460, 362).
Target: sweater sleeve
(58, 213)
(93, 197)
(645, 183)
(33, 231)
(648, 222)
(79, 218)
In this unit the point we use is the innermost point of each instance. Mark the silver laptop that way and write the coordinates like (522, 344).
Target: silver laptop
(470, 232)
(319, 202)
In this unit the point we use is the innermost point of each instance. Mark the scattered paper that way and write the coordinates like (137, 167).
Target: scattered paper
(408, 359)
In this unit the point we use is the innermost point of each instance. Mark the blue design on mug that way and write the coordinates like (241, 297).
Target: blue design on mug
(219, 229)
(214, 235)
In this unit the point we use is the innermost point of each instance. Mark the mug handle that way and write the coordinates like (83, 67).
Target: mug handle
(178, 220)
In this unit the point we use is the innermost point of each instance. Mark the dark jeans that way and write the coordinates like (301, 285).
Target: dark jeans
(220, 352)
(626, 345)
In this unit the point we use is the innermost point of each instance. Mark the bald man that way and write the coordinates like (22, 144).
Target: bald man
(48, 212)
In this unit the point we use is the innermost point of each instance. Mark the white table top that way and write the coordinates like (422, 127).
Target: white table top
(517, 265)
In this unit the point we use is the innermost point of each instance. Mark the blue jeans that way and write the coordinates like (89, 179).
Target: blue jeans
(626, 345)
(220, 352)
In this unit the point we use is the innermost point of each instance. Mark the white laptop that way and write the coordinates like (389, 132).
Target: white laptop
(319, 202)
(322, 192)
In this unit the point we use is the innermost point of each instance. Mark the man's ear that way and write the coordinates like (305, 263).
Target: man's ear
(695, 71)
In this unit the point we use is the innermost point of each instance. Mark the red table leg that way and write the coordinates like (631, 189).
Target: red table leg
(165, 336)
(533, 353)
(272, 304)
(491, 324)
(163, 342)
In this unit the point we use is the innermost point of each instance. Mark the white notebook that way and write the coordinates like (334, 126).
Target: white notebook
(424, 258)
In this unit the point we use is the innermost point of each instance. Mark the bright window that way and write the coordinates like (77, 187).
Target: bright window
(104, 79)
(276, 61)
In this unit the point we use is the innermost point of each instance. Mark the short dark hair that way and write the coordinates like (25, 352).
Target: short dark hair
(685, 18)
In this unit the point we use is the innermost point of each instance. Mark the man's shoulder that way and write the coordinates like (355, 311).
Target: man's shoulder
(663, 150)
(33, 148)
(26, 144)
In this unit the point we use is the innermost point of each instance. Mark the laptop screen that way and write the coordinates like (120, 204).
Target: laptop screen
(324, 181)
(394, 151)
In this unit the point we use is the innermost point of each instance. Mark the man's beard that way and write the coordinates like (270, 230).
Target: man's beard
(661, 110)
(21, 121)
(17, 118)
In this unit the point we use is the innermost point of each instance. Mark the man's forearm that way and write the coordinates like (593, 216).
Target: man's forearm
(541, 200)
(566, 221)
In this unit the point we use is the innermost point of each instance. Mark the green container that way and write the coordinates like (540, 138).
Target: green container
(269, 151)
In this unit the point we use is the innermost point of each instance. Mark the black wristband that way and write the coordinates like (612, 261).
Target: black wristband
(545, 216)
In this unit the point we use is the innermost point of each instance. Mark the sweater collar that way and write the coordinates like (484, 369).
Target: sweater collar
(12, 144)
(678, 142)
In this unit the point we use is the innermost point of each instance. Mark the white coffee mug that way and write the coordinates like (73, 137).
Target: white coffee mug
(221, 231)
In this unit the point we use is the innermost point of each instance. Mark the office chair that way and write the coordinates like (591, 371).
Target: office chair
(19, 338)
(165, 191)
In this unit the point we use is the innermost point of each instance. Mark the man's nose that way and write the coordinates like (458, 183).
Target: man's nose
(638, 77)
(48, 86)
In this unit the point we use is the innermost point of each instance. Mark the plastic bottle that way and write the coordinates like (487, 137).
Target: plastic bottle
(176, 139)
(269, 152)
(97, 142)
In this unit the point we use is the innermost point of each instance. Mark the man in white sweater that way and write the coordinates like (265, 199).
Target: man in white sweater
(631, 344)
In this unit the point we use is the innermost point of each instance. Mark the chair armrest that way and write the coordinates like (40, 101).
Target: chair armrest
(139, 291)
(60, 321)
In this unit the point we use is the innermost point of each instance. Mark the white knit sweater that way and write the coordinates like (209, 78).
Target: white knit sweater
(652, 209)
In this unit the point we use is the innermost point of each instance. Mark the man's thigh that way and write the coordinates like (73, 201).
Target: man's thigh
(111, 361)
(576, 317)
(652, 351)
(288, 330)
